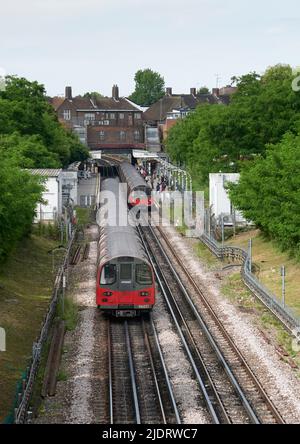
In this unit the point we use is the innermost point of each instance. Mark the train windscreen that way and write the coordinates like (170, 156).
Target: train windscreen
(108, 274)
(143, 274)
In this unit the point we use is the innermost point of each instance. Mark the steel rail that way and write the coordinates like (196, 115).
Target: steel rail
(148, 347)
(272, 407)
(252, 415)
(132, 375)
(110, 379)
(201, 383)
(169, 385)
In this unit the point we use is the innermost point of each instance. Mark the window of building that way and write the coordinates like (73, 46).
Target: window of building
(89, 116)
(112, 115)
(136, 135)
(122, 135)
(137, 115)
(67, 114)
(130, 120)
(121, 116)
(102, 135)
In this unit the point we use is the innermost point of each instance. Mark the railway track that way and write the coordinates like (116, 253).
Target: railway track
(139, 388)
(230, 390)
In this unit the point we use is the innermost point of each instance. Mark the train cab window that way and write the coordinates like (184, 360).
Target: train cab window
(143, 274)
(126, 273)
(108, 274)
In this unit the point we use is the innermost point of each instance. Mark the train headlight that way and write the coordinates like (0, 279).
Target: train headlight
(144, 293)
(107, 293)
(146, 300)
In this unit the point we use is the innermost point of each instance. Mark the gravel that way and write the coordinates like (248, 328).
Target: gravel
(179, 369)
(278, 379)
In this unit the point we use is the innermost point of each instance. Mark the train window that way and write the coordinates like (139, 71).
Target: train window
(125, 273)
(143, 274)
(108, 274)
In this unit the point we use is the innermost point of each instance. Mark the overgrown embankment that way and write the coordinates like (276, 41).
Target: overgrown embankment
(26, 282)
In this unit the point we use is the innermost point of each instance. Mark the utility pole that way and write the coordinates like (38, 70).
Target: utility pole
(250, 255)
(283, 284)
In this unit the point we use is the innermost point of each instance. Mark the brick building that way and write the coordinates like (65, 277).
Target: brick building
(105, 123)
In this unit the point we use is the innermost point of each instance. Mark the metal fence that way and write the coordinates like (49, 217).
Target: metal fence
(21, 414)
(283, 313)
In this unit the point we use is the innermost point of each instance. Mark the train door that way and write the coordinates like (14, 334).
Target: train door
(126, 283)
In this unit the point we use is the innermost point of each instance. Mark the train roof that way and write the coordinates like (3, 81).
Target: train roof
(119, 241)
(132, 176)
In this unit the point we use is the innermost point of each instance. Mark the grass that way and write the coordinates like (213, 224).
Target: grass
(234, 289)
(83, 216)
(69, 313)
(268, 260)
(206, 256)
(26, 283)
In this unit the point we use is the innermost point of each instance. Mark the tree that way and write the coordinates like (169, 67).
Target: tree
(268, 192)
(203, 90)
(94, 95)
(25, 110)
(218, 137)
(19, 193)
(149, 87)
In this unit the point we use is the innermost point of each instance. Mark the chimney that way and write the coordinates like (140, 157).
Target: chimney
(115, 92)
(216, 92)
(168, 91)
(193, 91)
(68, 92)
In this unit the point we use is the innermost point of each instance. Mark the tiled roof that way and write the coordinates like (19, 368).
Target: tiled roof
(102, 103)
(166, 104)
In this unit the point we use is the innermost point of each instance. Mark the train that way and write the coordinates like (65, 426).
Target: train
(139, 192)
(125, 284)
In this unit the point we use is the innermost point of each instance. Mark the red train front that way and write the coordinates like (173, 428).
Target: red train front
(125, 279)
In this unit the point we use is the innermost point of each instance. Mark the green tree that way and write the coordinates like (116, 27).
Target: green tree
(222, 137)
(149, 87)
(203, 90)
(24, 109)
(268, 192)
(19, 194)
(92, 95)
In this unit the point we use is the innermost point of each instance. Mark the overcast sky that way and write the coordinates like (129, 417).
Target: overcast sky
(92, 44)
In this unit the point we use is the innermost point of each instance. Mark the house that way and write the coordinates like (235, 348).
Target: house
(219, 201)
(105, 123)
(164, 113)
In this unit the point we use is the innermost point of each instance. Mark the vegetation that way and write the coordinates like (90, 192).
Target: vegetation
(257, 134)
(19, 192)
(203, 90)
(25, 111)
(23, 303)
(267, 261)
(30, 137)
(94, 95)
(149, 87)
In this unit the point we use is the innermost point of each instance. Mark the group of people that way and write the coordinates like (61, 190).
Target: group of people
(157, 182)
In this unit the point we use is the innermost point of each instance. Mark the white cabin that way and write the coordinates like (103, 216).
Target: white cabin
(219, 201)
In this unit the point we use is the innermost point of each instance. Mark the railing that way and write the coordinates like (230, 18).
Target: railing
(284, 314)
(21, 411)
